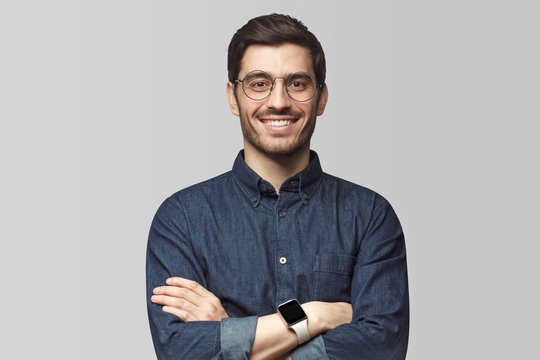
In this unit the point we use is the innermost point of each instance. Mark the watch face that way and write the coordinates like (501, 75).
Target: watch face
(292, 311)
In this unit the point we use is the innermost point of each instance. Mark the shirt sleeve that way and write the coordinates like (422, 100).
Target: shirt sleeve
(379, 294)
(314, 349)
(237, 336)
(379, 297)
(169, 253)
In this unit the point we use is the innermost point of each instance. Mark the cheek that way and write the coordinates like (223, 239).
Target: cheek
(309, 112)
(252, 111)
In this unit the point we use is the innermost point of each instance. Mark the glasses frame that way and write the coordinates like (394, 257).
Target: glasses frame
(317, 85)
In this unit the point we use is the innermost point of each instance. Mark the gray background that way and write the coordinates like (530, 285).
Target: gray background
(107, 107)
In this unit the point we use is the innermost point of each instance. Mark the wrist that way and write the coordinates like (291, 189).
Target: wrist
(316, 323)
(296, 319)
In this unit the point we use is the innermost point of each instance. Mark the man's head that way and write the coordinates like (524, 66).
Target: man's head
(280, 122)
(275, 29)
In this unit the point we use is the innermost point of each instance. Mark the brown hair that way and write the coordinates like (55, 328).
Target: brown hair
(274, 29)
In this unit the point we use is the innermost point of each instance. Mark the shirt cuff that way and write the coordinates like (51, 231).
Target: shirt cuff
(237, 336)
(312, 350)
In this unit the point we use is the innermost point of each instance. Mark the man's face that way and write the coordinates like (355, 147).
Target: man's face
(276, 126)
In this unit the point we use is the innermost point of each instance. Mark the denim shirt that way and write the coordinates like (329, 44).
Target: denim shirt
(322, 238)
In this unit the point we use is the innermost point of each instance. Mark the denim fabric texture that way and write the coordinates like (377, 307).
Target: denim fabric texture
(237, 337)
(313, 350)
(322, 238)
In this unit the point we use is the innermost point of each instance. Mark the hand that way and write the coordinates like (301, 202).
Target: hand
(285, 357)
(188, 300)
(324, 316)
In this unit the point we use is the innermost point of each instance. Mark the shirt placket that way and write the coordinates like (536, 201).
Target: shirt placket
(284, 256)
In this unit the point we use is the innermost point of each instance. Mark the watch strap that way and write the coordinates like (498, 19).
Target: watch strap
(301, 330)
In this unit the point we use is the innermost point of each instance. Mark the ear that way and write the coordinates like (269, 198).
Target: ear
(233, 104)
(322, 100)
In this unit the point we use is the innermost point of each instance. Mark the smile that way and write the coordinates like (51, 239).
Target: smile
(278, 122)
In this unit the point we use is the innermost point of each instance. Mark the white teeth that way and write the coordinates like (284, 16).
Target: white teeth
(279, 122)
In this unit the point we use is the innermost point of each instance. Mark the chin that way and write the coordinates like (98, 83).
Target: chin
(279, 151)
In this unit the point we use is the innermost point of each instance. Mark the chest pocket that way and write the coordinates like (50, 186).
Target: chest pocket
(333, 277)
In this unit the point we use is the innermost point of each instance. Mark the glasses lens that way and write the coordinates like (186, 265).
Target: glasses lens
(257, 85)
(301, 86)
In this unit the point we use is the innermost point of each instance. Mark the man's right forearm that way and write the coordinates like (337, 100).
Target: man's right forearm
(275, 340)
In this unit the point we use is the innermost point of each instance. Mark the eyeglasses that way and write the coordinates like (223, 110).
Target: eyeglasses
(258, 85)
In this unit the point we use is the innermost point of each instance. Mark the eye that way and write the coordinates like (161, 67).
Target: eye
(259, 84)
(297, 85)
(300, 82)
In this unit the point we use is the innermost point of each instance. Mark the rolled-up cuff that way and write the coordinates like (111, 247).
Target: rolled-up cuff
(312, 350)
(237, 336)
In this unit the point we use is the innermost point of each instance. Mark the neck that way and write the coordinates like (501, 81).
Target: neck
(276, 169)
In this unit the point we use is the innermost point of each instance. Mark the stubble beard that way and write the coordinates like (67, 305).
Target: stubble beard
(281, 150)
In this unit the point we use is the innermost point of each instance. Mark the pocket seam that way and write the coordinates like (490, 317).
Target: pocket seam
(334, 264)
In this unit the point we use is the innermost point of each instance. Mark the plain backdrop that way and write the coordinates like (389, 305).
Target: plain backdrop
(107, 107)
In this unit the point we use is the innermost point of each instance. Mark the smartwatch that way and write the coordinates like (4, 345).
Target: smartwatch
(296, 319)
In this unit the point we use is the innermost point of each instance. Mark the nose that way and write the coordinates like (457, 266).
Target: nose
(278, 98)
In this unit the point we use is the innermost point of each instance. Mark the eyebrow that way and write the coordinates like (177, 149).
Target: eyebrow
(258, 72)
(287, 76)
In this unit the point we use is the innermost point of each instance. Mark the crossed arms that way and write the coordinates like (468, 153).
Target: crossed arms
(190, 301)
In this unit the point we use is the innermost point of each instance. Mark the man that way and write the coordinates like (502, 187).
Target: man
(276, 230)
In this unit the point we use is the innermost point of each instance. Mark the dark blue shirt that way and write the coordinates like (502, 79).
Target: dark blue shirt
(322, 238)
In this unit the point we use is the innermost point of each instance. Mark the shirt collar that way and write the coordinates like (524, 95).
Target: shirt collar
(253, 186)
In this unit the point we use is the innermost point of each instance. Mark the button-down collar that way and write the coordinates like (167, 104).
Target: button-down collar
(253, 186)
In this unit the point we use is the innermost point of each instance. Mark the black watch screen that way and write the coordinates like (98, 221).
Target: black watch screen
(292, 312)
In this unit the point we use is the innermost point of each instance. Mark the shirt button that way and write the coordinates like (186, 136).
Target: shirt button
(282, 214)
(282, 260)
(264, 188)
(254, 199)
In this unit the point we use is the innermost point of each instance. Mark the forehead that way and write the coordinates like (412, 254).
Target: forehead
(277, 60)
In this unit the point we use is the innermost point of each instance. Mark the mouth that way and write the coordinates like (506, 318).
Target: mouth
(278, 123)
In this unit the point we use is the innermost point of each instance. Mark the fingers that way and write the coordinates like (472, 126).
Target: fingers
(188, 284)
(206, 311)
(179, 307)
(188, 290)
(183, 315)
(178, 292)
(188, 300)
(179, 301)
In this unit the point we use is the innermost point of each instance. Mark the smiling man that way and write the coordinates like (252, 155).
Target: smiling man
(277, 259)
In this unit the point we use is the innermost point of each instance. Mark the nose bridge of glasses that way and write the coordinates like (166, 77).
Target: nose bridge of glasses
(286, 88)
(279, 97)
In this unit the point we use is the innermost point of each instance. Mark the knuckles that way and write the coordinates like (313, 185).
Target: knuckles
(180, 303)
(215, 303)
(193, 285)
(206, 315)
(181, 292)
